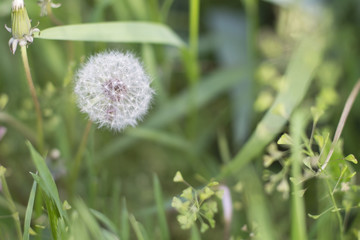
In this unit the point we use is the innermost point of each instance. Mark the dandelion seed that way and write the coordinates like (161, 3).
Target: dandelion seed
(113, 89)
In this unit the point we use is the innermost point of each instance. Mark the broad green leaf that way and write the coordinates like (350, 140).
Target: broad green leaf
(29, 211)
(129, 32)
(47, 179)
(299, 75)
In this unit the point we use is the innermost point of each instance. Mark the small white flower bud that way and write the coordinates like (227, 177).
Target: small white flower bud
(17, 4)
(113, 89)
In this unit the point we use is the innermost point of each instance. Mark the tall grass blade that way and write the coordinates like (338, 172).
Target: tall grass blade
(124, 228)
(105, 221)
(257, 208)
(160, 209)
(29, 211)
(136, 227)
(89, 221)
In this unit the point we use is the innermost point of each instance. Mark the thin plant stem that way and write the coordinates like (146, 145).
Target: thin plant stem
(79, 155)
(336, 209)
(341, 124)
(40, 133)
(10, 201)
(194, 40)
(190, 59)
(52, 17)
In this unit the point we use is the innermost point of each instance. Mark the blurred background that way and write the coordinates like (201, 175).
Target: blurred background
(244, 48)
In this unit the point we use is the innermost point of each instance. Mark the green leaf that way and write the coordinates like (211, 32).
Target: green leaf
(176, 203)
(136, 227)
(178, 177)
(285, 139)
(206, 193)
(187, 194)
(129, 32)
(47, 179)
(89, 221)
(125, 229)
(29, 211)
(204, 227)
(351, 158)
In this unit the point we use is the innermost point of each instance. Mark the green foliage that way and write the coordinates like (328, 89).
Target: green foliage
(133, 32)
(248, 93)
(194, 204)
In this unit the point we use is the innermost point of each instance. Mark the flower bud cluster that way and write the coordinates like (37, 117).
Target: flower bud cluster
(113, 89)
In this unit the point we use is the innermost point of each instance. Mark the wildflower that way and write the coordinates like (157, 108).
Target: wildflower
(21, 30)
(113, 89)
(46, 6)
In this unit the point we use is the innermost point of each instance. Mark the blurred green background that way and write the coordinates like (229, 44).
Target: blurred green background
(199, 119)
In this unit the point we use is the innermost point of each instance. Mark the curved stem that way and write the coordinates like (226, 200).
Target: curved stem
(39, 119)
(341, 124)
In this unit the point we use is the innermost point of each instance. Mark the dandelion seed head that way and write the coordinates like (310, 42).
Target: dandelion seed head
(113, 89)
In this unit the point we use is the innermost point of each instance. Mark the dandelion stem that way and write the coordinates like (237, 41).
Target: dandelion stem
(10, 201)
(40, 133)
(79, 155)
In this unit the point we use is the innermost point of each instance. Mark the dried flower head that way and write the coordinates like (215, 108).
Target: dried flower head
(113, 89)
(21, 30)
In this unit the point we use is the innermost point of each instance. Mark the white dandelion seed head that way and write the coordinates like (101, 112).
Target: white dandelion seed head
(113, 89)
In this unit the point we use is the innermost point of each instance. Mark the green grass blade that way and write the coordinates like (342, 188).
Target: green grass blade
(89, 221)
(29, 211)
(127, 32)
(298, 223)
(258, 210)
(105, 220)
(160, 209)
(48, 181)
(299, 75)
(136, 227)
(124, 228)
